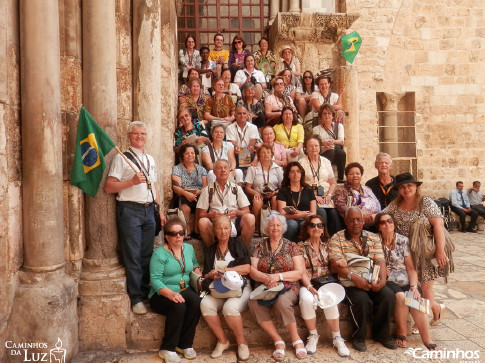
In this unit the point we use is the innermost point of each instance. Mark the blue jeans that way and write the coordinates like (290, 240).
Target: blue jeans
(332, 218)
(294, 226)
(136, 232)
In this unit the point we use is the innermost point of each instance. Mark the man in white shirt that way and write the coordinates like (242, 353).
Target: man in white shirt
(224, 198)
(136, 194)
(243, 135)
(476, 199)
(461, 206)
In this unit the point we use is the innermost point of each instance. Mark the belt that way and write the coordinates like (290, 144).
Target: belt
(135, 204)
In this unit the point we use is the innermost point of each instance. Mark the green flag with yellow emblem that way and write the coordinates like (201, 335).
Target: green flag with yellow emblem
(92, 144)
(350, 46)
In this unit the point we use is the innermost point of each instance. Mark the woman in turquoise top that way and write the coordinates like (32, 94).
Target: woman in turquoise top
(170, 294)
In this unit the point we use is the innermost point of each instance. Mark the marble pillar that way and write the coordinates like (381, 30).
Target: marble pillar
(351, 105)
(104, 304)
(294, 6)
(284, 5)
(389, 132)
(44, 307)
(274, 8)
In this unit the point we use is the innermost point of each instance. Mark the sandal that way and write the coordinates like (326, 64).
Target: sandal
(400, 340)
(299, 352)
(431, 346)
(437, 321)
(414, 330)
(279, 354)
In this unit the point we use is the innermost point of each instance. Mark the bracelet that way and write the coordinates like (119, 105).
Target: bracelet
(308, 287)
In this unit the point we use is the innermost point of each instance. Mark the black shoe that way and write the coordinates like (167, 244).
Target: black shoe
(359, 345)
(471, 231)
(389, 343)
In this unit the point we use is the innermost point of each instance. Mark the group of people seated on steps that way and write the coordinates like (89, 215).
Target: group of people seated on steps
(249, 165)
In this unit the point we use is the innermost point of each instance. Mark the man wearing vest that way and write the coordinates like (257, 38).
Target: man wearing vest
(224, 198)
(135, 219)
(461, 206)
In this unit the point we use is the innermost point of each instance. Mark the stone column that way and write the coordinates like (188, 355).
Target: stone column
(351, 105)
(147, 69)
(294, 6)
(44, 307)
(284, 6)
(104, 304)
(390, 131)
(274, 8)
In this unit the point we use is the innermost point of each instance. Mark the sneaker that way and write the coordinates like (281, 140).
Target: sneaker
(188, 353)
(219, 349)
(243, 352)
(359, 345)
(139, 308)
(168, 356)
(339, 344)
(311, 344)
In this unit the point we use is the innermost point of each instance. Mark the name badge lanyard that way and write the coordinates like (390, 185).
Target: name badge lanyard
(272, 254)
(145, 170)
(265, 182)
(296, 204)
(288, 135)
(181, 263)
(316, 173)
(241, 137)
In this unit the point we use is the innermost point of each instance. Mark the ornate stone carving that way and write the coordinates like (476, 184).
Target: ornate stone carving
(179, 4)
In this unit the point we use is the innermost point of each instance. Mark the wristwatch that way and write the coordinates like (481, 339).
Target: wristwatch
(350, 275)
(280, 276)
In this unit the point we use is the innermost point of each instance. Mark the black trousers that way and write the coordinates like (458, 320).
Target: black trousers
(181, 319)
(480, 209)
(365, 305)
(462, 214)
(337, 157)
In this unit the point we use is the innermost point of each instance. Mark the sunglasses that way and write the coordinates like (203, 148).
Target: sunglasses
(315, 225)
(237, 42)
(279, 84)
(384, 221)
(307, 77)
(173, 234)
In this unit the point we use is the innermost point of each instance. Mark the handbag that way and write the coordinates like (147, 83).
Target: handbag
(319, 281)
(423, 246)
(359, 265)
(196, 282)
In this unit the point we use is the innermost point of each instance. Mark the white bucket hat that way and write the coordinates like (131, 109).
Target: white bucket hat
(330, 295)
(231, 280)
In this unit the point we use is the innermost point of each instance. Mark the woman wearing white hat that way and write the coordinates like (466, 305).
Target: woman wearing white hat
(226, 261)
(314, 249)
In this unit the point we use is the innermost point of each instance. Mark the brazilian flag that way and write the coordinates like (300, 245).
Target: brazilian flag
(92, 144)
(351, 45)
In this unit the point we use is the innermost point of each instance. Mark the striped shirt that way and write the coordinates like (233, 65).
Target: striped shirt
(339, 245)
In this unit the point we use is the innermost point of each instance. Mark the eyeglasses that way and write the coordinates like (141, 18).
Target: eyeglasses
(279, 84)
(307, 77)
(138, 133)
(237, 42)
(175, 233)
(315, 225)
(384, 221)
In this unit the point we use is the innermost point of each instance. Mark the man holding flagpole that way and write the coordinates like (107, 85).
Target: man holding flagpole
(137, 193)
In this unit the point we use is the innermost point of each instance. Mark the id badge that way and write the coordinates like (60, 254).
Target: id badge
(149, 185)
(271, 269)
(182, 285)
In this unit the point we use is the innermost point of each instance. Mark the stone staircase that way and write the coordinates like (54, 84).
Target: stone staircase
(145, 331)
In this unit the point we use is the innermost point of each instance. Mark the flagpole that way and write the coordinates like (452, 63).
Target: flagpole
(126, 159)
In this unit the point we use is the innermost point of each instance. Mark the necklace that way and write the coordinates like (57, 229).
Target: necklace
(181, 262)
(388, 249)
(221, 255)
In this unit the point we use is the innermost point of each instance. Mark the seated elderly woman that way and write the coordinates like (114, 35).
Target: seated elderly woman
(319, 174)
(289, 61)
(185, 90)
(296, 200)
(290, 89)
(220, 106)
(289, 132)
(230, 88)
(227, 254)
(314, 249)
(401, 277)
(195, 100)
(332, 134)
(188, 179)
(251, 75)
(170, 295)
(276, 260)
(280, 156)
(254, 106)
(324, 95)
(353, 193)
(274, 104)
(263, 181)
(187, 127)
(220, 149)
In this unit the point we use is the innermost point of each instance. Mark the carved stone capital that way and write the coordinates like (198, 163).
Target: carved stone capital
(390, 100)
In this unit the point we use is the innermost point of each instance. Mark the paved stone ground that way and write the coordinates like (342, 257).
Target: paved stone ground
(462, 325)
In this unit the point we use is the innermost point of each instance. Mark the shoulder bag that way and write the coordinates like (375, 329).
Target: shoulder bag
(319, 281)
